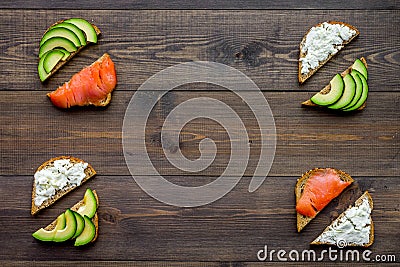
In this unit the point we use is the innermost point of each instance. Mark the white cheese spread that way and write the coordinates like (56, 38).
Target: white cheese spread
(353, 228)
(321, 42)
(62, 175)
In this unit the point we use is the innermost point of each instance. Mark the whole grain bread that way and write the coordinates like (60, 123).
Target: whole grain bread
(89, 171)
(302, 220)
(303, 77)
(63, 62)
(75, 207)
(327, 88)
(358, 202)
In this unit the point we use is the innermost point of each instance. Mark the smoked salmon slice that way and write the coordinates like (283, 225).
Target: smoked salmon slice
(321, 187)
(91, 86)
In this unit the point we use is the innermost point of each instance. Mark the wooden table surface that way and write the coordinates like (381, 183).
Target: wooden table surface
(144, 37)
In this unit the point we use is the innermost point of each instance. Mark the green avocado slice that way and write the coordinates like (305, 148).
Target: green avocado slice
(55, 42)
(336, 91)
(69, 230)
(364, 94)
(348, 94)
(78, 32)
(90, 204)
(88, 233)
(44, 235)
(360, 67)
(66, 53)
(43, 75)
(359, 89)
(51, 59)
(61, 32)
(86, 27)
(80, 224)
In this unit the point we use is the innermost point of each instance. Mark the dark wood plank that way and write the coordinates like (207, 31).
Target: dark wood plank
(262, 44)
(133, 226)
(206, 4)
(363, 144)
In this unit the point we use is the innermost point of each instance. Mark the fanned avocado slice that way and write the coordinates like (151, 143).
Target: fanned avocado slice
(72, 27)
(86, 27)
(69, 230)
(44, 235)
(41, 71)
(364, 94)
(80, 224)
(55, 42)
(66, 53)
(51, 59)
(88, 233)
(336, 91)
(348, 93)
(61, 32)
(360, 67)
(359, 89)
(90, 204)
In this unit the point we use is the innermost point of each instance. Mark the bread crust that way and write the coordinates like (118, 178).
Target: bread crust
(327, 88)
(302, 220)
(63, 62)
(89, 171)
(75, 207)
(356, 204)
(303, 77)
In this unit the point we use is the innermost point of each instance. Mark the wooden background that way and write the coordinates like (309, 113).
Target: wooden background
(144, 37)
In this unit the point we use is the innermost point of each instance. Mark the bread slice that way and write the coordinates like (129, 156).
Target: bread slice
(75, 207)
(303, 77)
(328, 237)
(89, 171)
(327, 88)
(302, 220)
(63, 62)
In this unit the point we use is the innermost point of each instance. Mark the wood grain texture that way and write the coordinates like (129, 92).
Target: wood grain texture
(133, 226)
(362, 144)
(206, 4)
(262, 44)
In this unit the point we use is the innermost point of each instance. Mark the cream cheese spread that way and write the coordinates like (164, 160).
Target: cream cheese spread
(352, 228)
(62, 175)
(321, 42)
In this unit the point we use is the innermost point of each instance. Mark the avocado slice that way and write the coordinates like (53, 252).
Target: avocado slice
(78, 32)
(360, 67)
(54, 42)
(43, 75)
(364, 94)
(66, 53)
(89, 204)
(80, 224)
(359, 89)
(51, 59)
(86, 27)
(336, 91)
(88, 233)
(44, 235)
(61, 32)
(69, 230)
(348, 93)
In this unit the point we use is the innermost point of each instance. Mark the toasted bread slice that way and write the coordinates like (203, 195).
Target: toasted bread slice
(363, 237)
(302, 220)
(327, 88)
(75, 207)
(89, 171)
(303, 77)
(63, 62)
